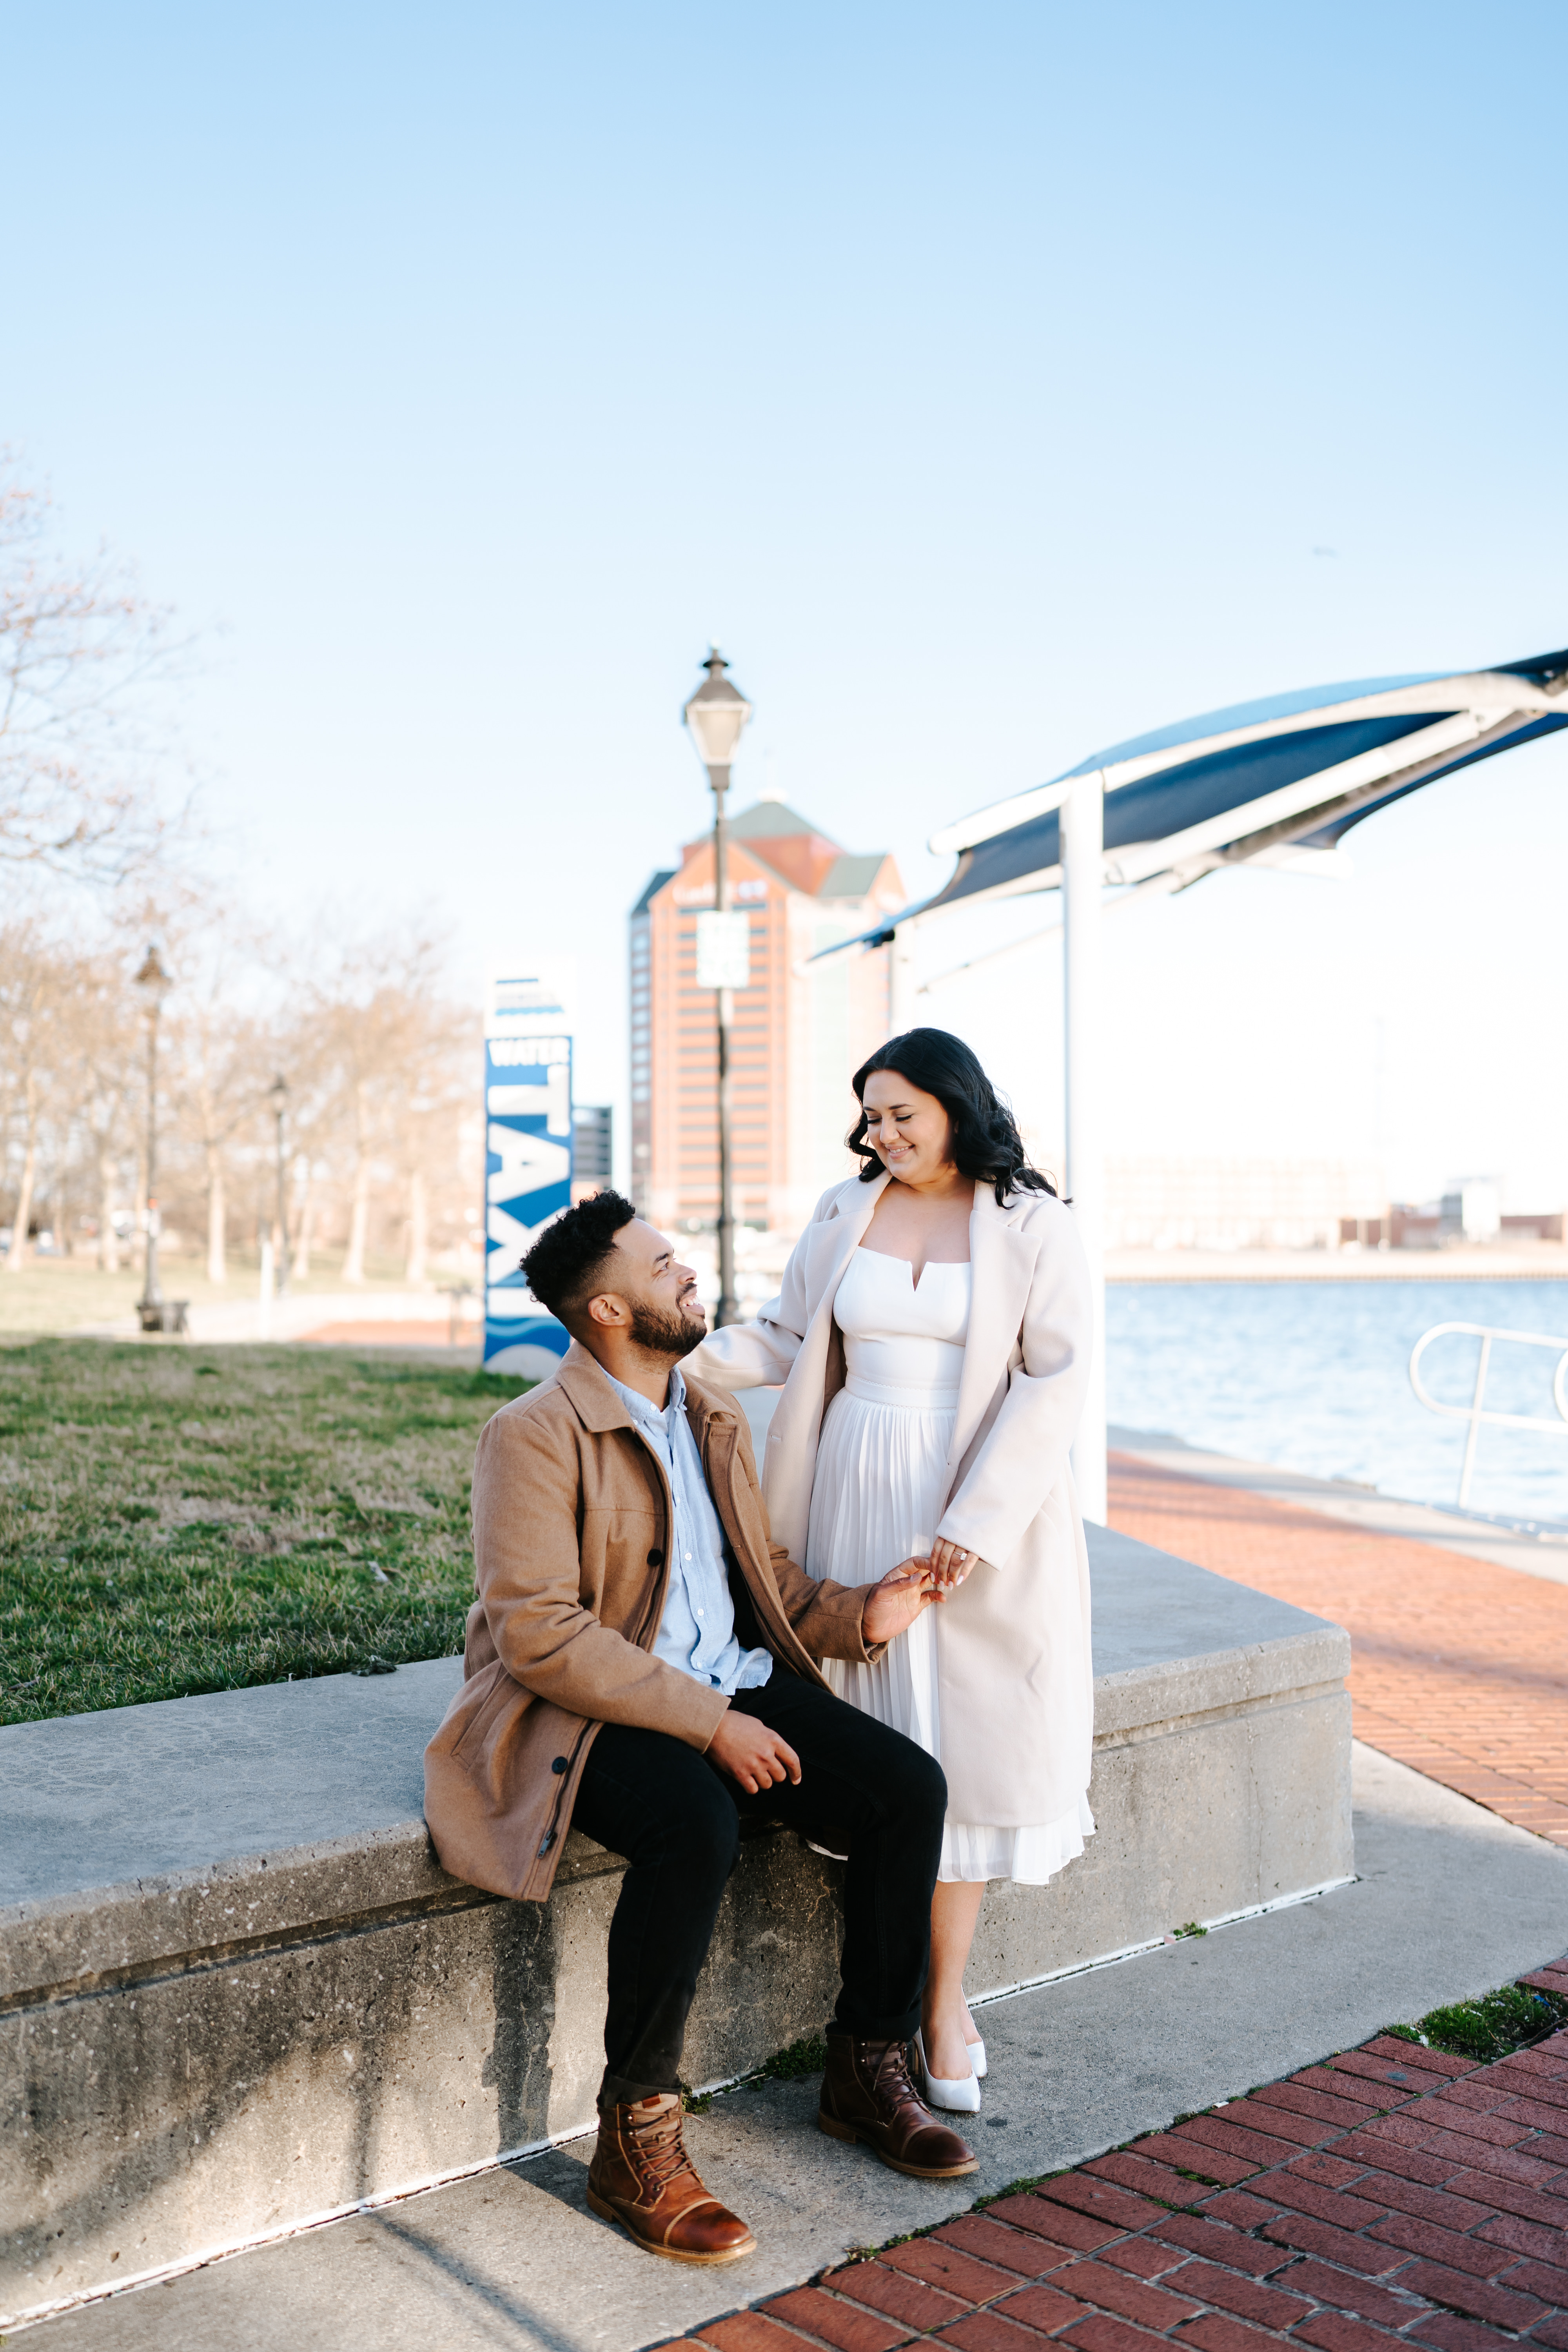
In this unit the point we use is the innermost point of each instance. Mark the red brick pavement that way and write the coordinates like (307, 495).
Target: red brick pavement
(1457, 1668)
(1391, 2196)
(431, 1334)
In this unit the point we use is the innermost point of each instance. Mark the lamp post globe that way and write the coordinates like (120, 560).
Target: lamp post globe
(277, 1096)
(156, 983)
(715, 716)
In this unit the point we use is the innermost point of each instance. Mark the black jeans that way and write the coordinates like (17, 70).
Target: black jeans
(677, 1818)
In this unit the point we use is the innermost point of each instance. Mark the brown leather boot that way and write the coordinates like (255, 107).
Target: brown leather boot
(866, 2095)
(642, 2176)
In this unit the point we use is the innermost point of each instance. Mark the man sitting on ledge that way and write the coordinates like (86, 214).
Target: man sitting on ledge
(640, 1663)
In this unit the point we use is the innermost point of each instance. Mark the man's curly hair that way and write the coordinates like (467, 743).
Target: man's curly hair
(564, 1265)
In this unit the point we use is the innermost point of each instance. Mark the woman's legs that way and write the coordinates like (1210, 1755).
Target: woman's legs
(954, 1914)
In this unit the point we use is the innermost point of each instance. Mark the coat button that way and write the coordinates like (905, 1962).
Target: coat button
(558, 1765)
(549, 1841)
(656, 1557)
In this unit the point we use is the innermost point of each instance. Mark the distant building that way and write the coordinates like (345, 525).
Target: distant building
(1226, 1204)
(1469, 1213)
(592, 1142)
(798, 1037)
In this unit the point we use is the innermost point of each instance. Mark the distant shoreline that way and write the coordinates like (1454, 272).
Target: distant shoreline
(1336, 1266)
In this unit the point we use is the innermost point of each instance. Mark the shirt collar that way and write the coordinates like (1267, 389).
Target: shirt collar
(642, 1407)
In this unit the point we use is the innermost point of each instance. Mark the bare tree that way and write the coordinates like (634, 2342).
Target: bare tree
(80, 650)
(383, 1027)
(221, 1063)
(438, 1085)
(107, 1069)
(37, 984)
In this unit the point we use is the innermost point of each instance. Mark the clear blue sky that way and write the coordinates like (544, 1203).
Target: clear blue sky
(983, 379)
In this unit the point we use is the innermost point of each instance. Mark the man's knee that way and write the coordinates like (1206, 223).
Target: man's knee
(922, 1784)
(907, 1780)
(704, 1831)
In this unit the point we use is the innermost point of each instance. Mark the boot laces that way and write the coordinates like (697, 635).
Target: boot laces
(660, 2150)
(893, 2074)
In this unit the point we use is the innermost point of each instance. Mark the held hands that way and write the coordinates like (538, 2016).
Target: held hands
(893, 1604)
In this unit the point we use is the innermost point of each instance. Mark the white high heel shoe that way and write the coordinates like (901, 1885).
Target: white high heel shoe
(977, 2059)
(959, 2098)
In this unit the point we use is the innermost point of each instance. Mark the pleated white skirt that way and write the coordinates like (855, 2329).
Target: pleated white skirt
(873, 1498)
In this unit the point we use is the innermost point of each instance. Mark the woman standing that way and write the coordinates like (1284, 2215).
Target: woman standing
(932, 1335)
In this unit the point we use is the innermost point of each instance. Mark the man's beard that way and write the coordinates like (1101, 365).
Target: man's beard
(666, 1335)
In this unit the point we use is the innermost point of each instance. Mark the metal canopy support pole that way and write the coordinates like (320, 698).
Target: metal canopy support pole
(902, 979)
(1083, 882)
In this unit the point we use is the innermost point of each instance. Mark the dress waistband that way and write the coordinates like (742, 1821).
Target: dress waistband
(915, 1398)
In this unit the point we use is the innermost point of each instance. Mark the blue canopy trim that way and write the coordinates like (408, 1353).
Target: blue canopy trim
(1179, 797)
(1328, 836)
(1222, 791)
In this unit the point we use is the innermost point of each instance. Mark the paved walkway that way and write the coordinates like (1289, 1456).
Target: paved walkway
(1458, 1668)
(423, 1335)
(1391, 2196)
(1449, 1900)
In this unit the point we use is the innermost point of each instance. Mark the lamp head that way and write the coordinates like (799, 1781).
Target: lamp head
(152, 977)
(716, 714)
(278, 1092)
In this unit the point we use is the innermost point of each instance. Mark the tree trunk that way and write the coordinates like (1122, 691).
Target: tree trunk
(359, 1219)
(218, 1218)
(419, 1230)
(17, 1256)
(108, 1240)
(358, 1222)
(301, 1269)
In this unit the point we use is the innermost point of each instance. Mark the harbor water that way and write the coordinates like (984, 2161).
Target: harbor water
(1312, 1376)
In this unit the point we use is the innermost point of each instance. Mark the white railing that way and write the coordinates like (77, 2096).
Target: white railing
(1475, 1413)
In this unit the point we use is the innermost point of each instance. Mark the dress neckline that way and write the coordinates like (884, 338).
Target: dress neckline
(915, 1280)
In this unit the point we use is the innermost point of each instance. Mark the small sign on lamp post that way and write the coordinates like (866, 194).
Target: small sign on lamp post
(724, 950)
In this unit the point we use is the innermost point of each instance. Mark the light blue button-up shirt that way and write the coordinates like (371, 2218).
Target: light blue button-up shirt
(696, 1631)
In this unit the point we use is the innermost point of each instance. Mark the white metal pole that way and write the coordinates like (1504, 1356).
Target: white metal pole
(901, 979)
(1083, 882)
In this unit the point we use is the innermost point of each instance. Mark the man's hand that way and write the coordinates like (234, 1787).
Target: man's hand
(753, 1754)
(895, 1601)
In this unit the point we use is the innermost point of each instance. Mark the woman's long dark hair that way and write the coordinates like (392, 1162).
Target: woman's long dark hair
(986, 1144)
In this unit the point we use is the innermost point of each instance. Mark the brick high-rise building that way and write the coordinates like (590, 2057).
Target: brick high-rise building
(797, 1034)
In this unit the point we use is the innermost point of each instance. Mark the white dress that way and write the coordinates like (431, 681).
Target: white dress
(879, 1465)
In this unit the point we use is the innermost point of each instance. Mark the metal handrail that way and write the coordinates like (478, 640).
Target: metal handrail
(1474, 1412)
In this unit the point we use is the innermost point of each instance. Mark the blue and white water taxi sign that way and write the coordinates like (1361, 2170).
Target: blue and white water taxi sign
(528, 1152)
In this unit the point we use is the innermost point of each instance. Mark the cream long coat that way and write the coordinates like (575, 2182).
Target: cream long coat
(1016, 1683)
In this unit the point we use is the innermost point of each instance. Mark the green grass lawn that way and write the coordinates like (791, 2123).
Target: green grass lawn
(175, 1519)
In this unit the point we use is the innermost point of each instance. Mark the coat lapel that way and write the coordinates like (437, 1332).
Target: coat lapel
(790, 1455)
(833, 1245)
(1002, 1261)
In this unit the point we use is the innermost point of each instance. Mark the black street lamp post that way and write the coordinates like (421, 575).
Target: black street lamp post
(716, 714)
(157, 983)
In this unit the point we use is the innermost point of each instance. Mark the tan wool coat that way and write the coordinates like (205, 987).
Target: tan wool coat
(1016, 1678)
(571, 1539)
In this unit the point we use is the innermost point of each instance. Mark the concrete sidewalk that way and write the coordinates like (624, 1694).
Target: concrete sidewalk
(1450, 1900)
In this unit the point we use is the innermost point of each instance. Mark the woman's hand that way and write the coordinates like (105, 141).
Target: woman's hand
(949, 1565)
(895, 1601)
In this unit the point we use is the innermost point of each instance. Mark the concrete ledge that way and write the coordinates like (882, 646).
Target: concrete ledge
(238, 1993)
